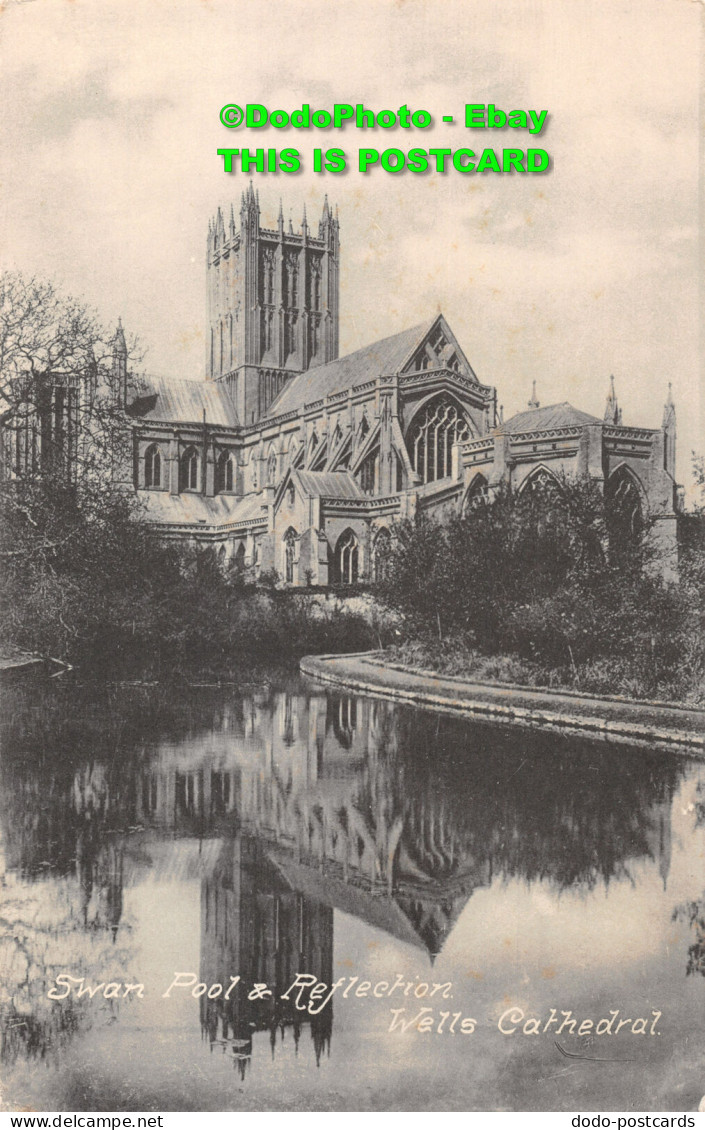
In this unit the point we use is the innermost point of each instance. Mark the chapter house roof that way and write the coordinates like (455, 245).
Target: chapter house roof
(366, 364)
(546, 419)
(170, 399)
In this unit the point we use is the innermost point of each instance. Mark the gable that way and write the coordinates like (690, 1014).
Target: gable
(438, 349)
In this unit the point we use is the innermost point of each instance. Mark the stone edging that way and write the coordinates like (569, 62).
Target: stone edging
(494, 702)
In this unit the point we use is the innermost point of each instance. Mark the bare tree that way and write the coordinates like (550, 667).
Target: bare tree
(64, 385)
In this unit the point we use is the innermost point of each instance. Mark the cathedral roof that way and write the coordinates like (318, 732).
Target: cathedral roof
(170, 399)
(366, 364)
(562, 415)
(196, 509)
(328, 484)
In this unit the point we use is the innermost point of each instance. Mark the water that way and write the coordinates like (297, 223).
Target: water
(279, 828)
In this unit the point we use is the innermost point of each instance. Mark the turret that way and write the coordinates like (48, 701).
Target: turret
(613, 413)
(120, 364)
(669, 434)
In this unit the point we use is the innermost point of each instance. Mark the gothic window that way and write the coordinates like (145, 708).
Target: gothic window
(224, 473)
(239, 557)
(364, 428)
(367, 474)
(315, 285)
(542, 482)
(290, 333)
(153, 467)
(383, 547)
(292, 281)
(347, 559)
(188, 467)
(431, 437)
(271, 469)
(289, 555)
(624, 509)
(290, 494)
(269, 276)
(477, 495)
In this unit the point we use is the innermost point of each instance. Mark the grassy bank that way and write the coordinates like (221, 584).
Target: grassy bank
(616, 675)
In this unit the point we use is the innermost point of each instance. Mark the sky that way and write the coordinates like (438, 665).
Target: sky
(109, 174)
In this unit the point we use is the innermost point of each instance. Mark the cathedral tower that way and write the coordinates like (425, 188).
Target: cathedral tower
(272, 298)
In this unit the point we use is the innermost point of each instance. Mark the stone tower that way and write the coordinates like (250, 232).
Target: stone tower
(272, 298)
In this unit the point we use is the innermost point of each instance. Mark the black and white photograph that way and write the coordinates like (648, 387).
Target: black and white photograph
(352, 556)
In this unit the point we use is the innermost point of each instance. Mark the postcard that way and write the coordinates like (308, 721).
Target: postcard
(325, 785)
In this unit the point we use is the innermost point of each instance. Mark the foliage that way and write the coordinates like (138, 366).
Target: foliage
(557, 580)
(83, 578)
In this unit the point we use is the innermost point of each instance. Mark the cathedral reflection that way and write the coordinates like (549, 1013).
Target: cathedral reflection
(302, 803)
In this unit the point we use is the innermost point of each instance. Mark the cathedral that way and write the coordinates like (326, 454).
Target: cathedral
(291, 460)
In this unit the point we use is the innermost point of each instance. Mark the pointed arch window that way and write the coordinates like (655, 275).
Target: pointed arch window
(153, 467)
(382, 552)
(540, 482)
(367, 474)
(290, 538)
(271, 469)
(347, 559)
(239, 557)
(477, 495)
(224, 474)
(624, 508)
(188, 468)
(431, 437)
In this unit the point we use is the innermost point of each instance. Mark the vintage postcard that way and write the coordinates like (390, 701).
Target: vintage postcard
(353, 685)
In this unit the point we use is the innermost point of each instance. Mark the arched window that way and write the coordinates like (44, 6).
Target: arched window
(367, 474)
(382, 551)
(624, 508)
(431, 437)
(289, 555)
(477, 495)
(540, 482)
(224, 473)
(347, 559)
(153, 466)
(188, 478)
(271, 469)
(239, 558)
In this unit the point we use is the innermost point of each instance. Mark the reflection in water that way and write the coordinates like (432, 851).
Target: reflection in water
(286, 805)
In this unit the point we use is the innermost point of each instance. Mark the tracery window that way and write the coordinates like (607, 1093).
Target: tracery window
(367, 474)
(624, 505)
(289, 555)
(271, 469)
(540, 481)
(153, 467)
(224, 474)
(188, 478)
(478, 494)
(431, 437)
(347, 559)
